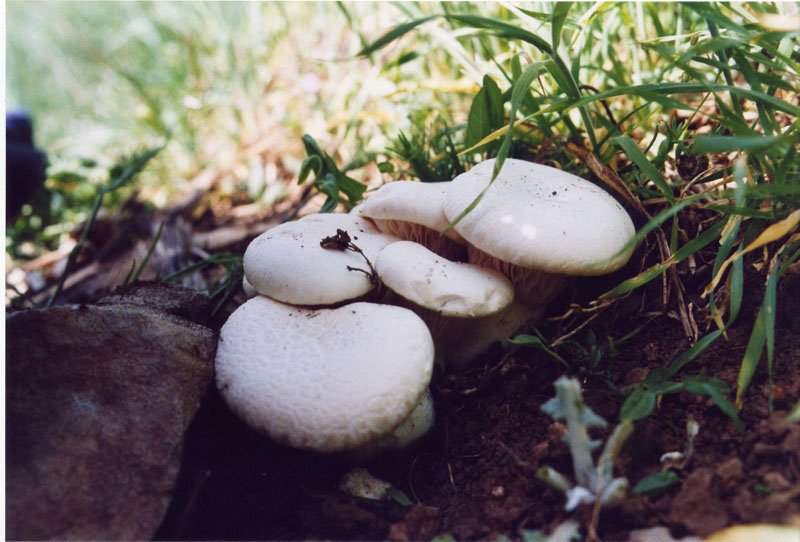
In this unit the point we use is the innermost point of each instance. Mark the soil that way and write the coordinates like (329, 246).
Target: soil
(473, 476)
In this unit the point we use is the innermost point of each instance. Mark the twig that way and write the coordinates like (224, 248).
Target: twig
(342, 241)
(513, 454)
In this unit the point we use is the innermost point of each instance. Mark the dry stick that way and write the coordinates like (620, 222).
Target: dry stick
(520, 462)
(342, 241)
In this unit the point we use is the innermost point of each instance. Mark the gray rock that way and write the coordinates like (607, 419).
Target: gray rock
(98, 398)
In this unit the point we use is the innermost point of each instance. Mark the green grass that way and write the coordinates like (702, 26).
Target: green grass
(611, 78)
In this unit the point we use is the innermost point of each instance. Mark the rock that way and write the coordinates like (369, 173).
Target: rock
(696, 507)
(98, 398)
(165, 297)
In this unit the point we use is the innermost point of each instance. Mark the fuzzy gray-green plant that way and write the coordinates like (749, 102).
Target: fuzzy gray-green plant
(592, 481)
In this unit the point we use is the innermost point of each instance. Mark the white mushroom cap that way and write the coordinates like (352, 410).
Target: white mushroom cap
(413, 211)
(539, 217)
(248, 289)
(287, 262)
(327, 379)
(413, 427)
(453, 289)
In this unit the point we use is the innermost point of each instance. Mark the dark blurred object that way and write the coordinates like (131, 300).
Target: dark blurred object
(25, 165)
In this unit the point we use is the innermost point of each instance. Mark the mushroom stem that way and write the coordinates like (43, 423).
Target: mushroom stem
(480, 333)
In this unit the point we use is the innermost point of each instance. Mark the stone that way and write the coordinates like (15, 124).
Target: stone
(98, 398)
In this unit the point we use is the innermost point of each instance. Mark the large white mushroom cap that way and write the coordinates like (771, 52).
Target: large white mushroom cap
(455, 289)
(539, 217)
(325, 380)
(287, 262)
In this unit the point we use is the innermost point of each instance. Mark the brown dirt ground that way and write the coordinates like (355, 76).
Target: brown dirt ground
(473, 476)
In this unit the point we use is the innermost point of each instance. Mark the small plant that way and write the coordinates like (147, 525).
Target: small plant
(328, 178)
(592, 483)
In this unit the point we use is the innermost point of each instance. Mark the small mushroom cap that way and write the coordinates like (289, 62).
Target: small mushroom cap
(248, 289)
(453, 289)
(287, 262)
(410, 201)
(413, 427)
(327, 379)
(540, 217)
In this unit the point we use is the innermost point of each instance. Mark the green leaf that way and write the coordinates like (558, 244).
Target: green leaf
(485, 114)
(752, 355)
(636, 156)
(716, 389)
(668, 89)
(560, 11)
(536, 342)
(520, 90)
(399, 497)
(394, 34)
(657, 483)
(714, 144)
(681, 254)
(693, 352)
(311, 163)
(638, 405)
(503, 29)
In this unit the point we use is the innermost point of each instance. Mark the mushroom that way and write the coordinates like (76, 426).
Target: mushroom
(289, 264)
(537, 224)
(248, 289)
(327, 379)
(413, 211)
(445, 294)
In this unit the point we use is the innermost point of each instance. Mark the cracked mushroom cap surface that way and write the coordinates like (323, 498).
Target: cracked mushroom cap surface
(455, 289)
(287, 262)
(327, 379)
(539, 217)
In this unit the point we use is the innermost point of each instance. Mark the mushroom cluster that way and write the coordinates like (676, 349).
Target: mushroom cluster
(335, 348)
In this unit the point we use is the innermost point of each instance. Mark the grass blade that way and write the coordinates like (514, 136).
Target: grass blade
(771, 233)
(693, 352)
(710, 144)
(678, 256)
(560, 11)
(150, 251)
(520, 90)
(636, 156)
(393, 34)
